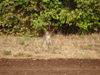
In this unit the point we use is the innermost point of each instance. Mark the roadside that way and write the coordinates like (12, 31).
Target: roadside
(49, 67)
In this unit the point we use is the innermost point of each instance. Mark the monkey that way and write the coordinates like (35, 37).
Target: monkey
(47, 39)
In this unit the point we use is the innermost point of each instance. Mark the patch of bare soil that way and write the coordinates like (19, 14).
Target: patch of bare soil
(69, 46)
(49, 67)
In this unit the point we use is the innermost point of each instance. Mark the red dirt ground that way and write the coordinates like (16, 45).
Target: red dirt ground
(49, 66)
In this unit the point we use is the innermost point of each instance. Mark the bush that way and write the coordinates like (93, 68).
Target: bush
(34, 16)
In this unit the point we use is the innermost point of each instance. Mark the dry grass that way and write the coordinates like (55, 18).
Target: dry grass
(69, 46)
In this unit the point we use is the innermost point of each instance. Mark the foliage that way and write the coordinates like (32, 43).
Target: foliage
(88, 14)
(32, 16)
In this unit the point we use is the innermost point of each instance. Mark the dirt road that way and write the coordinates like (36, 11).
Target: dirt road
(49, 67)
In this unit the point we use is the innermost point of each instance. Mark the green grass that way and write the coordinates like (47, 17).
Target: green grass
(28, 55)
(5, 39)
(86, 57)
(7, 53)
(20, 54)
(21, 42)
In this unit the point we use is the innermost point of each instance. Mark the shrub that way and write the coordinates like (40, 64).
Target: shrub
(34, 16)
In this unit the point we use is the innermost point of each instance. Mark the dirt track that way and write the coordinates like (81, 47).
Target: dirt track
(49, 67)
